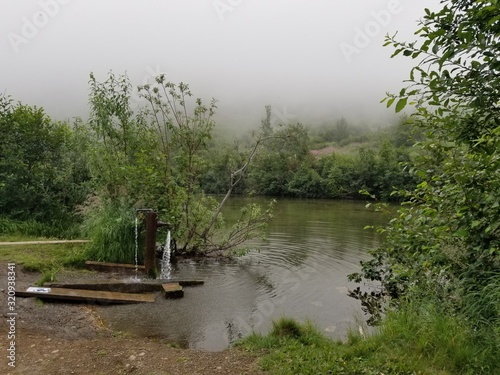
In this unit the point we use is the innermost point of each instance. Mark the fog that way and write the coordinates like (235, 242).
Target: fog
(312, 61)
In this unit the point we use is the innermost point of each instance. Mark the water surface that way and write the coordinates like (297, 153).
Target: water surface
(299, 271)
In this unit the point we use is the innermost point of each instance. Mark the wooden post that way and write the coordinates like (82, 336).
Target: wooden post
(150, 255)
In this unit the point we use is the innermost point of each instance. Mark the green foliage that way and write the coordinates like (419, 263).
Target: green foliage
(43, 257)
(456, 82)
(157, 159)
(221, 160)
(275, 165)
(34, 228)
(379, 172)
(285, 165)
(111, 227)
(42, 172)
(118, 157)
(287, 328)
(306, 183)
(266, 128)
(340, 173)
(48, 276)
(445, 242)
(340, 132)
(418, 339)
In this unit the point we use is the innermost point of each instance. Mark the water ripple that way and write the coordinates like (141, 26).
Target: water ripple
(300, 270)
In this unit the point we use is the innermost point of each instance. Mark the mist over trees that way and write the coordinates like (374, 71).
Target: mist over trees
(435, 173)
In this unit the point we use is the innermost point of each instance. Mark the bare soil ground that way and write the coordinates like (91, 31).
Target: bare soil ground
(62, 338)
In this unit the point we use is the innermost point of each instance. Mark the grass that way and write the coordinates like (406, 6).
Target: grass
(416, 340)
(113, 234)
(47, 258)
(32, 228)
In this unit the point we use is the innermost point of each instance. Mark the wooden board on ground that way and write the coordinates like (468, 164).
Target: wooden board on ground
(173, 290)
(130, 286)
(183, 282)
(111, 286)
(82, 295)
(112, 267)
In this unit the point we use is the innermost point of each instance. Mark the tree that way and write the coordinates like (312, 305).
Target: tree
(280, 158)
(266, 128)
(446, 242)
(43, 176)
(222, 159)
(156, 159)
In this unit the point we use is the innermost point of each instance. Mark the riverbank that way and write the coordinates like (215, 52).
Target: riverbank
(42, 353)
(418, 339)
(64, 338)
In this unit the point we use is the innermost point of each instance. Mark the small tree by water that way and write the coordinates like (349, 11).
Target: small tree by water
(155, 159)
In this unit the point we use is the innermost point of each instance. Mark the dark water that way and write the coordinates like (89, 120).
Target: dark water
(299, 271)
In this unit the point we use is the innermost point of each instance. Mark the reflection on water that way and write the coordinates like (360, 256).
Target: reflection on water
(298, 271)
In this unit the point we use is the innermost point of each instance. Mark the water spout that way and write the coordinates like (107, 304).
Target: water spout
(166, 267)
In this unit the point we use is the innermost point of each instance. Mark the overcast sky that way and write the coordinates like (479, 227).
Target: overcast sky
(314, 59)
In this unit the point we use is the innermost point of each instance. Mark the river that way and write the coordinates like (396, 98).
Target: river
(299, 270)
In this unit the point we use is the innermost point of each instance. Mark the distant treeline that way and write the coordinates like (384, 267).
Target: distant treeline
(336, 161)
(48, 169)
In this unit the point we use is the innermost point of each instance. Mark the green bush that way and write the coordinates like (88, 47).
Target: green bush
(32, 228)
(42, 167)
(111, 228)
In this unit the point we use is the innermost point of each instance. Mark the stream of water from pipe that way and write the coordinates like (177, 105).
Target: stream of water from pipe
(136, 247)
(166, 267)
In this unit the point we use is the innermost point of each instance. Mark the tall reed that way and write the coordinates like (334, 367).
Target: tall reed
(111, 229)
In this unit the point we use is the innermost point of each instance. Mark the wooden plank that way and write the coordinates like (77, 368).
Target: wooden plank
(173, 290)
(42, 242)
(141, 286)
(112, 267)
(90, 296)
(112, 286)
(184, 282)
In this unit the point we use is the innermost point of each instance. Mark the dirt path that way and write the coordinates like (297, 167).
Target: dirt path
(62, 338)
(38, 353)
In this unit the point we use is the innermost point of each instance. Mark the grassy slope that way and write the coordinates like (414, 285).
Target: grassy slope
(47, 259)
(417, 340)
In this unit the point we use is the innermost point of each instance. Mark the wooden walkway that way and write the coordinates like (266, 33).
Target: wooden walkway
(82, 295)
